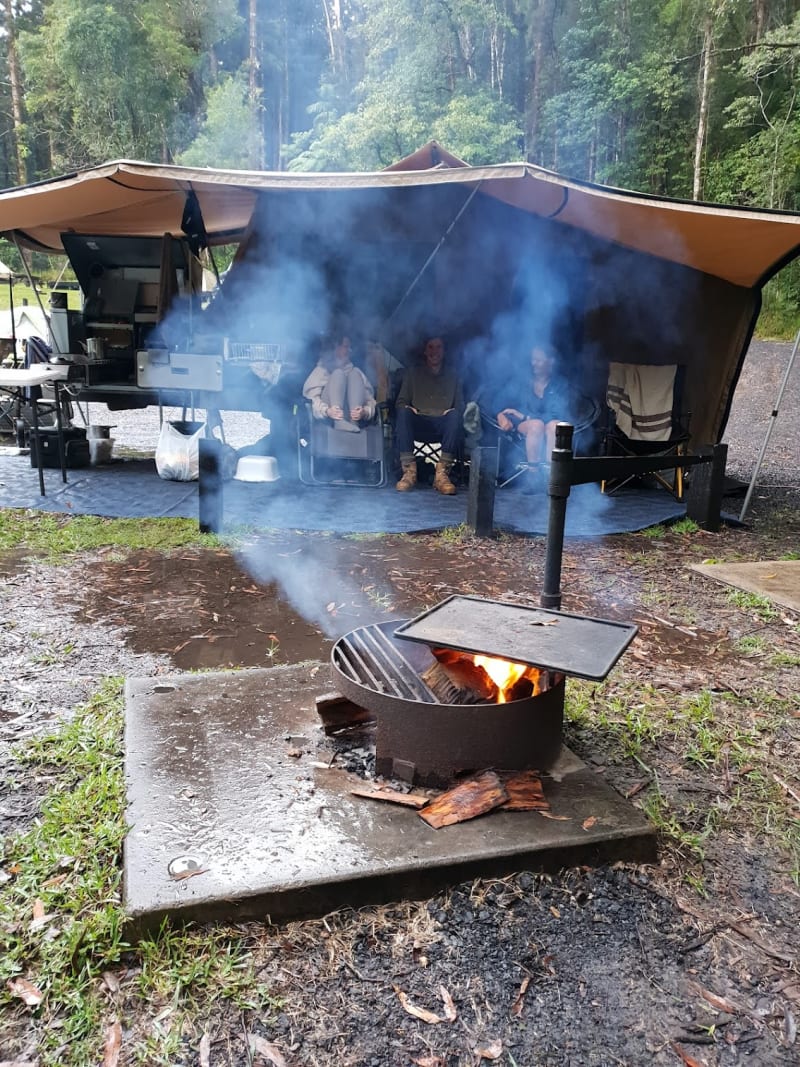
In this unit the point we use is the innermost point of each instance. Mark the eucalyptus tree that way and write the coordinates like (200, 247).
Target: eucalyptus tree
(414, 70)
(111, 78)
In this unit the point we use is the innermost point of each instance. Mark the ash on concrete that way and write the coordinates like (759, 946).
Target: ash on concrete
(234, 814)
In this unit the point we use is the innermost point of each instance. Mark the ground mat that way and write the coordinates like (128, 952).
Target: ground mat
(132, 489)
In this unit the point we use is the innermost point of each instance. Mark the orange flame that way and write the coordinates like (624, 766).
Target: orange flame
(505, 674)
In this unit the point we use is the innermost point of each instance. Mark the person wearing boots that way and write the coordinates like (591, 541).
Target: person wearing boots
(338, 390)
(429, 408)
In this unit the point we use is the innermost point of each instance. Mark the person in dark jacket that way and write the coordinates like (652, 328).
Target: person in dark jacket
(429, 407)
(535, 403)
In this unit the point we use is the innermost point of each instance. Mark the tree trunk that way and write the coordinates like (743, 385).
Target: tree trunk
(254, 81)
(704, 98)
(761, 18)
(335, 28)
(17, 103)
(541, 31)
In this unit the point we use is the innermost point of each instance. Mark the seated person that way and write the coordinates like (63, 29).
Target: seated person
(429, 407)
(338, 390)
(536, 402)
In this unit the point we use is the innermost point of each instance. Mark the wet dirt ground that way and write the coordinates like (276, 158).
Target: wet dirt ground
(624, 965)
(693, 960)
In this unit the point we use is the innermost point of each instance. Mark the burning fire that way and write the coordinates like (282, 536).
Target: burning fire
(506, 674)
(500, 680)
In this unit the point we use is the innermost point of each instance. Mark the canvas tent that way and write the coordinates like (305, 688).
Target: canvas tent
(495, 256)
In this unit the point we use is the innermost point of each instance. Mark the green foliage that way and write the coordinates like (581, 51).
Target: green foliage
(229, 135)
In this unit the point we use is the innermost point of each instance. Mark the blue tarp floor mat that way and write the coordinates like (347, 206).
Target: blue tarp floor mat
(132, 489)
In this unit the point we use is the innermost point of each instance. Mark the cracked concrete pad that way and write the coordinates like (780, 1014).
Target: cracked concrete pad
(778, 580)
(234, 813)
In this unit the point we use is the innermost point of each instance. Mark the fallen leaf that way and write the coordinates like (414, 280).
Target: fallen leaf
(113, 1045)
(589, 823)
(267, 1051)
(27, 993)
(412, 1009)
(38, 909)
(491, 1051)
(428, 1061)
(181, 876)
(204, 1052)
(57, 879)
(110, 981)
(555, 912)
(516, 1007)
(450, 1012)
(690, 1061)
(637, 787)
(720, 1003)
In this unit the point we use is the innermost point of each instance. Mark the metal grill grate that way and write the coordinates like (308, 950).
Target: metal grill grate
(246, 352)
(368, 657)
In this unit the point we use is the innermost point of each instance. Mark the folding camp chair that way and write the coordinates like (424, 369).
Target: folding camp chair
(327, 456)
(512, 459)
(646, 419)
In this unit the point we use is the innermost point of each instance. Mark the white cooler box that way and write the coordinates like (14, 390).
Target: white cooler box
(157, 368)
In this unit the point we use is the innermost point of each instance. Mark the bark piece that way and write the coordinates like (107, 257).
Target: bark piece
(337, 713)
(471, 798)
(393, 796)
(525, 792)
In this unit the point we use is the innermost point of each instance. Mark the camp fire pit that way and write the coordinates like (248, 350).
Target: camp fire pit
(471, 684)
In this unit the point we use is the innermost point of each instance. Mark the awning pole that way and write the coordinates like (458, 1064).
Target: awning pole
(36, 291)
(435, 252)
(770, 428)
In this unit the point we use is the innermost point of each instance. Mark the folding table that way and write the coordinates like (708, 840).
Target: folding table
(14, 380)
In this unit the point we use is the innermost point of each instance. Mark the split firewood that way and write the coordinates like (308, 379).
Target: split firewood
(465, 801)
(525, 792)
(392, 796)
(464, 673)
(337, 713)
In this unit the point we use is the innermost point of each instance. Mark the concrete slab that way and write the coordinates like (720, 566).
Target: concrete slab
(234, 814)
(778, 580)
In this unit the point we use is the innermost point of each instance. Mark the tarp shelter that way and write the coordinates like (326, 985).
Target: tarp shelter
(496, 256)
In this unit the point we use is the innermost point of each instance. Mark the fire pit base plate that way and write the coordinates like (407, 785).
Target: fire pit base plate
(231, 819)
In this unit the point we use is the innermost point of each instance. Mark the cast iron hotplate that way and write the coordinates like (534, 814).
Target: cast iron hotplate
(572, 644)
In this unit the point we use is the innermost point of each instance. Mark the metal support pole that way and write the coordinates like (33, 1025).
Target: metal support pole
(770, 428)
(480, 499)
(210, 502)
(558, 490)
(704, 496)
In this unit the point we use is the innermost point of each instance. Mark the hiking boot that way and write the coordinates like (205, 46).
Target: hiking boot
(409, 479)
(441, 480)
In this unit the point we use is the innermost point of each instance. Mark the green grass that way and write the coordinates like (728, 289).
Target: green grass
(66, 869)
(56, 536)
(23, 291)
(760, 606)
(716, 737)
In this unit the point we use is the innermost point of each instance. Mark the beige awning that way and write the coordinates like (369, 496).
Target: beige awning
(744, 247)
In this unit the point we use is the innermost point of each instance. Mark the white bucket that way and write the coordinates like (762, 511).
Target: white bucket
(257, 469)
(100, 449)
(97, 431)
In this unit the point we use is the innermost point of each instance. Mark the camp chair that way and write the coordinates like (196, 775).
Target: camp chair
(512, 459)
(323, 451)
(645, 419)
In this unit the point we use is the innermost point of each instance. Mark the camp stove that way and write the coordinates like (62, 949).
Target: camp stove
(431, 728)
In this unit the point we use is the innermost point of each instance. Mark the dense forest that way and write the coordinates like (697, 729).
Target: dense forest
(686, 98)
